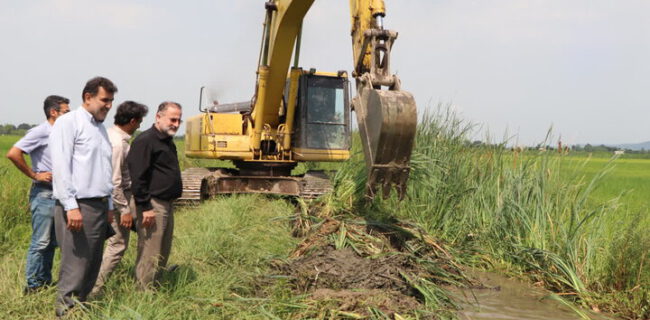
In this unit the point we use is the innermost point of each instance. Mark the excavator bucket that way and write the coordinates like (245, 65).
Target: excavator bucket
(387, 123)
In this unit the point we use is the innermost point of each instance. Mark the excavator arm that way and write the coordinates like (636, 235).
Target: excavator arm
(386, 115)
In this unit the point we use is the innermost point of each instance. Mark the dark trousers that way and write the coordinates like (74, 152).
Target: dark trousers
(81, 251)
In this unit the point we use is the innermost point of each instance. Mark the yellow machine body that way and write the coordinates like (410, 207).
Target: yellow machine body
(304, 115)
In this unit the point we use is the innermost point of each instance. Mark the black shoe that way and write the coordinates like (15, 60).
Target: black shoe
(172, 268)
(31, 290)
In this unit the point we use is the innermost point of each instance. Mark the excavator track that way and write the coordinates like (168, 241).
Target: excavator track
(203, 183)
(315, 184)
(192, 179)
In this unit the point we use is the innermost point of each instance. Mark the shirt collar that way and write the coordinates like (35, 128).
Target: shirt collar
(160, 135)
(87, 115)
(125, 136)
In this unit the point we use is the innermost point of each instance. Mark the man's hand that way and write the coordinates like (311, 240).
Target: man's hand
(148, 218)
(75, 220)
(126, 220)
(43, 176)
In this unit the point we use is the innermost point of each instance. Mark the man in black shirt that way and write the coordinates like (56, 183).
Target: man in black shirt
(156, 183)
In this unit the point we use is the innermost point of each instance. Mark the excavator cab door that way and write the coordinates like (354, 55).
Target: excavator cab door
(323, 113)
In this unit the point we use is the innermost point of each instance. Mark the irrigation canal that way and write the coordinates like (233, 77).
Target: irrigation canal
(509, 299)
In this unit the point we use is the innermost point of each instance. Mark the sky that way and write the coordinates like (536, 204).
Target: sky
(514, 68)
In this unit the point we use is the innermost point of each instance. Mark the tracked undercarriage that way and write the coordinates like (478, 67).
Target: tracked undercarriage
(203, 183)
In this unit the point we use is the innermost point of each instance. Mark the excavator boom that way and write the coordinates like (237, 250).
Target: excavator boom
(387, 115)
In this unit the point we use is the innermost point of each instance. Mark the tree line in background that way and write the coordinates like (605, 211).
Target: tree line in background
(19, 130)
(601, 148)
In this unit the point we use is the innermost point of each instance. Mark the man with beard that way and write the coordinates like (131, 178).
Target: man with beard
(82, 185)
(155, 183)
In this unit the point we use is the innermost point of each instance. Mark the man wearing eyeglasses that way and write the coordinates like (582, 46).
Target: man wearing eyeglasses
(155, 183)
(35, 143)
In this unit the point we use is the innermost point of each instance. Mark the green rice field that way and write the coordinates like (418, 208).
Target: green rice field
(629, 178)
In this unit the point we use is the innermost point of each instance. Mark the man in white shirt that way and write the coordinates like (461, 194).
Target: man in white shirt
(127, 119)
(82, 185)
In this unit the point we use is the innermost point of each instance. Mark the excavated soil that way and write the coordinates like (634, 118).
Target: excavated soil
(328, 268)
(354, 282)
(373, 274)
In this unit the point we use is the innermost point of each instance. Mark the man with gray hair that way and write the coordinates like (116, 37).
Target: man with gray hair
(156, 183)
(35, 143)
(127, 119)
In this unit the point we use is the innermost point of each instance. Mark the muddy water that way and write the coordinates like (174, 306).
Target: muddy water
(511, 299)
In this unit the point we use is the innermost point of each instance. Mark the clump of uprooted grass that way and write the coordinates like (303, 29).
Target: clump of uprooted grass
(359, 268)
(528, 213)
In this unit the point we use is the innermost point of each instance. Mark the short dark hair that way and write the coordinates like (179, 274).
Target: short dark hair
(92, 87)
(163, 106)
(129, 110)
(53, 102)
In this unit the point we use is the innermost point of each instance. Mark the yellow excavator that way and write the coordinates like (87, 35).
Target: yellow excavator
(299, 115)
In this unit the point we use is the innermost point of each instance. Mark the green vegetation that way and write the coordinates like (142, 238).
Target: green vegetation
(629, 178)
(14, 194)
(221, 248)
(572, 223)
(532, 214)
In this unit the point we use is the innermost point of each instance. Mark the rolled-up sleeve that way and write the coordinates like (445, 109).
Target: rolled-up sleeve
(61, 144)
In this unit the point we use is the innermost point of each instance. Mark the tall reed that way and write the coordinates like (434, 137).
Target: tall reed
(529, 212)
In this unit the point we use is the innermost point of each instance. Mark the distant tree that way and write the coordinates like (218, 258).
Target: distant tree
(24, 126)
(7, 128)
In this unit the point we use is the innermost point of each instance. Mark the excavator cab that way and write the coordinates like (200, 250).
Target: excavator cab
(323, 113)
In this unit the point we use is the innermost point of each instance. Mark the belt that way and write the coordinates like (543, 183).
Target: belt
(40, 184)
(102, 199)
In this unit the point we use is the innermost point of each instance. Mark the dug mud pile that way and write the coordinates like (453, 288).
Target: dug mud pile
(358, 269)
